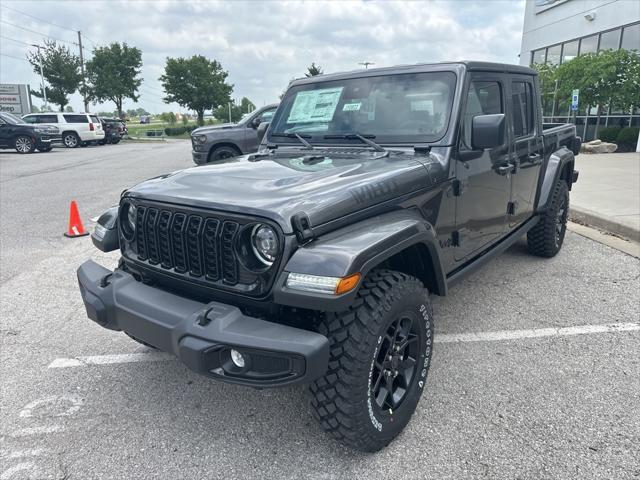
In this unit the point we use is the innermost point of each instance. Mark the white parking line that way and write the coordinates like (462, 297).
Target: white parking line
(25, 432)
(109, 359)
(536, 333)
(495, 336)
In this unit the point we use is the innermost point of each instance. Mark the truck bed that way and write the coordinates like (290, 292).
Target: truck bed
(557, 135)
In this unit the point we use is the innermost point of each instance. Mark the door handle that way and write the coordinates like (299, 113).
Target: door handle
(505, 169)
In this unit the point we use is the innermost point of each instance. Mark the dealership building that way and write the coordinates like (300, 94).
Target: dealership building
(555, 31)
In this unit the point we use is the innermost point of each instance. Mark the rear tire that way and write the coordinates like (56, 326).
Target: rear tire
(71, 139)
(24, 144)
(222, 153)
(373, 383)
(546, 238)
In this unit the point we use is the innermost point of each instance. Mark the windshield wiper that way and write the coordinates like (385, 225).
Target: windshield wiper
(363, 138)
(301, 138)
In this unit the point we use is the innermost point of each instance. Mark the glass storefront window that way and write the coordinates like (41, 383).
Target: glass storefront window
(553, 54)
(610, 40)
(538, 57)
(631, 37)
(589, 44)
(569, 51)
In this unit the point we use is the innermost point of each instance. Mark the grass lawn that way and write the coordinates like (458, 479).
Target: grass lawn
(139, 130)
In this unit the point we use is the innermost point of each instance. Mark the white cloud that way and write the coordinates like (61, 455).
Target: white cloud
(265, 44)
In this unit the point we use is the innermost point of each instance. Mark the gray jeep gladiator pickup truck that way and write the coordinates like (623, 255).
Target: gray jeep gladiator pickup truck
(312, 260)
(217, 142)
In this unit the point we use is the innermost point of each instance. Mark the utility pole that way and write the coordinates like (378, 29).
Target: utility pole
(44, 88)
(84, 98)
(366, 64)
(229, 112)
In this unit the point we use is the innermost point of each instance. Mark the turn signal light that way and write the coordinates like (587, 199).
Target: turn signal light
(347, 284)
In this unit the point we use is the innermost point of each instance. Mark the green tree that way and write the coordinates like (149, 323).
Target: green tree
(168, 117)
(238, 110)
(68, 108)
(313, 70)
(61, 70)
(548, 94)
(604, 78)
(113, 74)
(196, 83)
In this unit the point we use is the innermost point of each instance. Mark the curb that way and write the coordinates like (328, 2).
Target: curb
(586, 217)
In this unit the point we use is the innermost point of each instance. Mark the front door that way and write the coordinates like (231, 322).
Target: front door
(485, 180)
(251, 131)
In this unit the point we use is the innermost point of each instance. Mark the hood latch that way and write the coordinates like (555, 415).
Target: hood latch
(302, 227)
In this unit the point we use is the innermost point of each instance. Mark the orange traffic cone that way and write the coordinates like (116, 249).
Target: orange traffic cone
(75, 224)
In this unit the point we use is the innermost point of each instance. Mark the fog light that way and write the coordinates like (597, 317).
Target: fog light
(237, 358)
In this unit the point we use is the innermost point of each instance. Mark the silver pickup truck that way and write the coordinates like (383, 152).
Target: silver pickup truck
(218, 142)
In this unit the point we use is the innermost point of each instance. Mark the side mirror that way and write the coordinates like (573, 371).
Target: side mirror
(255, 123)
(487, 131)
(262, 129)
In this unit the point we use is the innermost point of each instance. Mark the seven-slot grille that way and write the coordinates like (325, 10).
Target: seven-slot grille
(201, 246)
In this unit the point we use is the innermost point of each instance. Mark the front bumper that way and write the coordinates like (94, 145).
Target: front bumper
(200, 334)
(199, 158)
(47, 140)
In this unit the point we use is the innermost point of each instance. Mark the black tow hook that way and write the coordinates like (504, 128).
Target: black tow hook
(203, 319)
(104, 281)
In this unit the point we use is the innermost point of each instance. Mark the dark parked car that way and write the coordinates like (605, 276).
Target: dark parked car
(312, 260)
(26, 138)
(217, 142)
(114, 130)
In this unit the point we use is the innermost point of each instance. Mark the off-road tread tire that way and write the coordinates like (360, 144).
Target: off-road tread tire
(541, 239)
(336, 401)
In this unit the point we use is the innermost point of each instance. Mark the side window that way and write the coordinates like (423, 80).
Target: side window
(484, 98)
(522, 101)
(31, 119)
(47, 119)
(267, 115)
(76, 118)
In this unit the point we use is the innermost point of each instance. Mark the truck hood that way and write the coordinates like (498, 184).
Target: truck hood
(281, 185)
(223, 126)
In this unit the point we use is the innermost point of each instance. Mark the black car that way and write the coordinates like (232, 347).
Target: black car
(313, 260)
(114, 130)
(26, 138)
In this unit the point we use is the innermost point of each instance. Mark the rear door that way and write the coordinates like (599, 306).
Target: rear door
(528, 150)
(485, 187)
(78, 123)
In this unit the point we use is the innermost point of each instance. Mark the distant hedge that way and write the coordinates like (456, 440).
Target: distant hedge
(174, 131)
(627, 139)
(609, 134)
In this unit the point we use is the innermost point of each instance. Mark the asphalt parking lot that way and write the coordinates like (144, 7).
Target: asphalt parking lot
(535, 373)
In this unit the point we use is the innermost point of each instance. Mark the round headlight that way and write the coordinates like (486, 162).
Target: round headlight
(131, 217)
(128, 220)
(264, 241)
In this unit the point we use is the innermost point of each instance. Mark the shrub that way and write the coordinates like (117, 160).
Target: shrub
(609, 134)
(627, 139)
(173, 131)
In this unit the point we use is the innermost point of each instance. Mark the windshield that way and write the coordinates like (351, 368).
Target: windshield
(401, 108)
(11, 118)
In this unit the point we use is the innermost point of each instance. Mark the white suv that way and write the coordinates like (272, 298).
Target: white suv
(77, 128)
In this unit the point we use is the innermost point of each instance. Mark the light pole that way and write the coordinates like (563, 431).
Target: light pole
(366, 64)
(44, 88)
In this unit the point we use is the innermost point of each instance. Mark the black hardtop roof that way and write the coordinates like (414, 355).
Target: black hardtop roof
(420, 67)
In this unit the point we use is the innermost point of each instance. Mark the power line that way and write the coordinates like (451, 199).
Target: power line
(14, 40)
(39, 19)
(17, 58)
(37, 33)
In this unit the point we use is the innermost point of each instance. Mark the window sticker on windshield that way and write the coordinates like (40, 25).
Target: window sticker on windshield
(422, 106)
(351, 107)
(315, 105)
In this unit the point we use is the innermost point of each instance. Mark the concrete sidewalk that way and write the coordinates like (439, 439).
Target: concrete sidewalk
(607, 195)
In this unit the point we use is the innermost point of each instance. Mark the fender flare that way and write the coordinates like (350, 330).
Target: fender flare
(558, 162)
(358, 248)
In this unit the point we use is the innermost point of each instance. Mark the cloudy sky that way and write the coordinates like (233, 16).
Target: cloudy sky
(263, 44)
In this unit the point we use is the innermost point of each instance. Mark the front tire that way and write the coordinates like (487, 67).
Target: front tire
(24, 144)
(380, 352)
(547, 237)
(222, 153)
